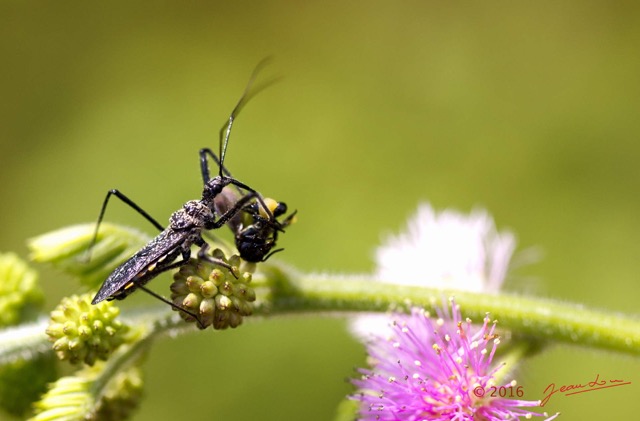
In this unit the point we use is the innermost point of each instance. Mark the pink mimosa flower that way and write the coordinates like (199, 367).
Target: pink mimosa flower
(437, 369)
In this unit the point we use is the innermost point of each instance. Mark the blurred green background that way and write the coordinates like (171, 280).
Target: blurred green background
(528, 109)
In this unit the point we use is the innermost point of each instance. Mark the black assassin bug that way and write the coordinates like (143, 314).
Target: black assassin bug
(185, 227)
(255, 231)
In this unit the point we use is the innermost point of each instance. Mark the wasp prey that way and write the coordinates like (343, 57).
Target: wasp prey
(255, 230)
(186, 225)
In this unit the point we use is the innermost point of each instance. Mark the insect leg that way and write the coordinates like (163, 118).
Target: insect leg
(173, 305)
(129, 202)
(264, 259)
(186, 253)
(289, 219)
(204, 165)
(202, 254)
(253, 193)
(234, 210)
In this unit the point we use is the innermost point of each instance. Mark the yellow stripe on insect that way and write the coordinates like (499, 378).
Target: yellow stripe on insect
(271, 204)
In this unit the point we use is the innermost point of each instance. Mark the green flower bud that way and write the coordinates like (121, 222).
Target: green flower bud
(67, 250)
(212, 292)
(68, 398)
(77, 398)
(81, 331)
(20, 294)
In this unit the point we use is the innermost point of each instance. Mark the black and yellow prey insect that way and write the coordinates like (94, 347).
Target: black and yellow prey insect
(256, 231)
(186, 225)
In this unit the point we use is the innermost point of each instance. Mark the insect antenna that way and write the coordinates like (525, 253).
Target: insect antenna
(225, 131)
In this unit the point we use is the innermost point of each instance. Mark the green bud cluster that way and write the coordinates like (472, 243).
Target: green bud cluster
(219, 296)
(77, 397)
(19, 289)
(21, 380)
(81, 331)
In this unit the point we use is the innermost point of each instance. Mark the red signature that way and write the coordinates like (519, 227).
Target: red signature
(572, 389)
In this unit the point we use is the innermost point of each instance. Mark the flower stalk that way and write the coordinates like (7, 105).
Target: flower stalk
(283, 292)
(535, 318)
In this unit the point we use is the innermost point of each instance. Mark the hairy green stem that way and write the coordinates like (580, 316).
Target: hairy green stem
(23, 342)
(540, 319)
(283, 292)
